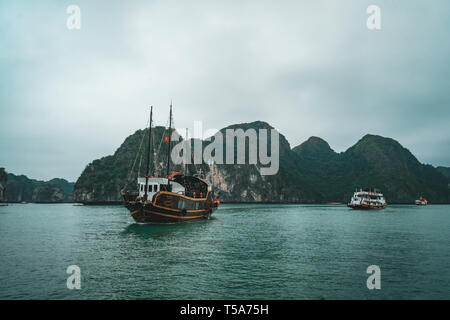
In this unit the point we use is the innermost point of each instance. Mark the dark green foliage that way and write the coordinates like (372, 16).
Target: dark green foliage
(21, 188)
(310, 173)
(445, 171)
(103, 179)
(3, 181)
(374, 161)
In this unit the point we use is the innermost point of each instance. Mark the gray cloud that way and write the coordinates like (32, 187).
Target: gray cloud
(306, 67)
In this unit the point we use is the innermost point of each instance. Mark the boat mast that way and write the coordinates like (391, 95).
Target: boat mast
(148, 153)
(168, 149)
(185, 158)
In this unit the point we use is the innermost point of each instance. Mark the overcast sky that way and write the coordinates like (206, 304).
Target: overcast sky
(308, 68)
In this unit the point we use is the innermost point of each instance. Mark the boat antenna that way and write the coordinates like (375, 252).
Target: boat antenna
(168, 149)
(148, 153)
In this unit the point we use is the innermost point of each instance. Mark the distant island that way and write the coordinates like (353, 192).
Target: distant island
(19, 188)
(311, 172)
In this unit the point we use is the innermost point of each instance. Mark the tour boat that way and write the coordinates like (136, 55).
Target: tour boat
(421, 202)
(171, 199)
(367, 199)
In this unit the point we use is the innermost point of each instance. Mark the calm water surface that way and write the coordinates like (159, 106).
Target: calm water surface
(243, 252)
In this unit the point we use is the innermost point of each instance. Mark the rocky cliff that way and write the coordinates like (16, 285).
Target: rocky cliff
(445, 171)
(245, 183)
(374, 161)
(309, 173)
(3, 181)
(103, 179)
(20, 188)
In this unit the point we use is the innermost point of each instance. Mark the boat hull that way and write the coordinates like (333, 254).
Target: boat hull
(366, 206)
(151, 214)
(169, 207)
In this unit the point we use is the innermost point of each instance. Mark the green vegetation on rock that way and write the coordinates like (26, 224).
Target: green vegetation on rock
(20, 188)
(374, 161)
(3, 181)
(309, 173)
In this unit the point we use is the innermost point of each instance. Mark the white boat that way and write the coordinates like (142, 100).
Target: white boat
(421, 201)
(367, 199)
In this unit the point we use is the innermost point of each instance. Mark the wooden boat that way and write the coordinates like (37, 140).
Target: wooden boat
(171, 199)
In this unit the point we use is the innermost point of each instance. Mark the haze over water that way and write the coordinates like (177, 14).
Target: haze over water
(243, 252)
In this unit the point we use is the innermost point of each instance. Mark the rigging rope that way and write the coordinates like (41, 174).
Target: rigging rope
(160, 143)
(137, 154)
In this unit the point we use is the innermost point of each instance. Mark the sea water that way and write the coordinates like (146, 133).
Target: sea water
(245, 251)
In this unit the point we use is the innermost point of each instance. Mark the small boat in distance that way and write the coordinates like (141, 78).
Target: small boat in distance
(421, 201)
(367, 199)
(171, 199)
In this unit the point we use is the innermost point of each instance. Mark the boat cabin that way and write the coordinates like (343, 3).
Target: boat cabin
(368, 196)
(185, 185)
(156, 185)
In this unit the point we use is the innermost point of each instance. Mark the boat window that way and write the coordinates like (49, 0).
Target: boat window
(156, 188)
(149, 188)
(181, 204)
(142, 187)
